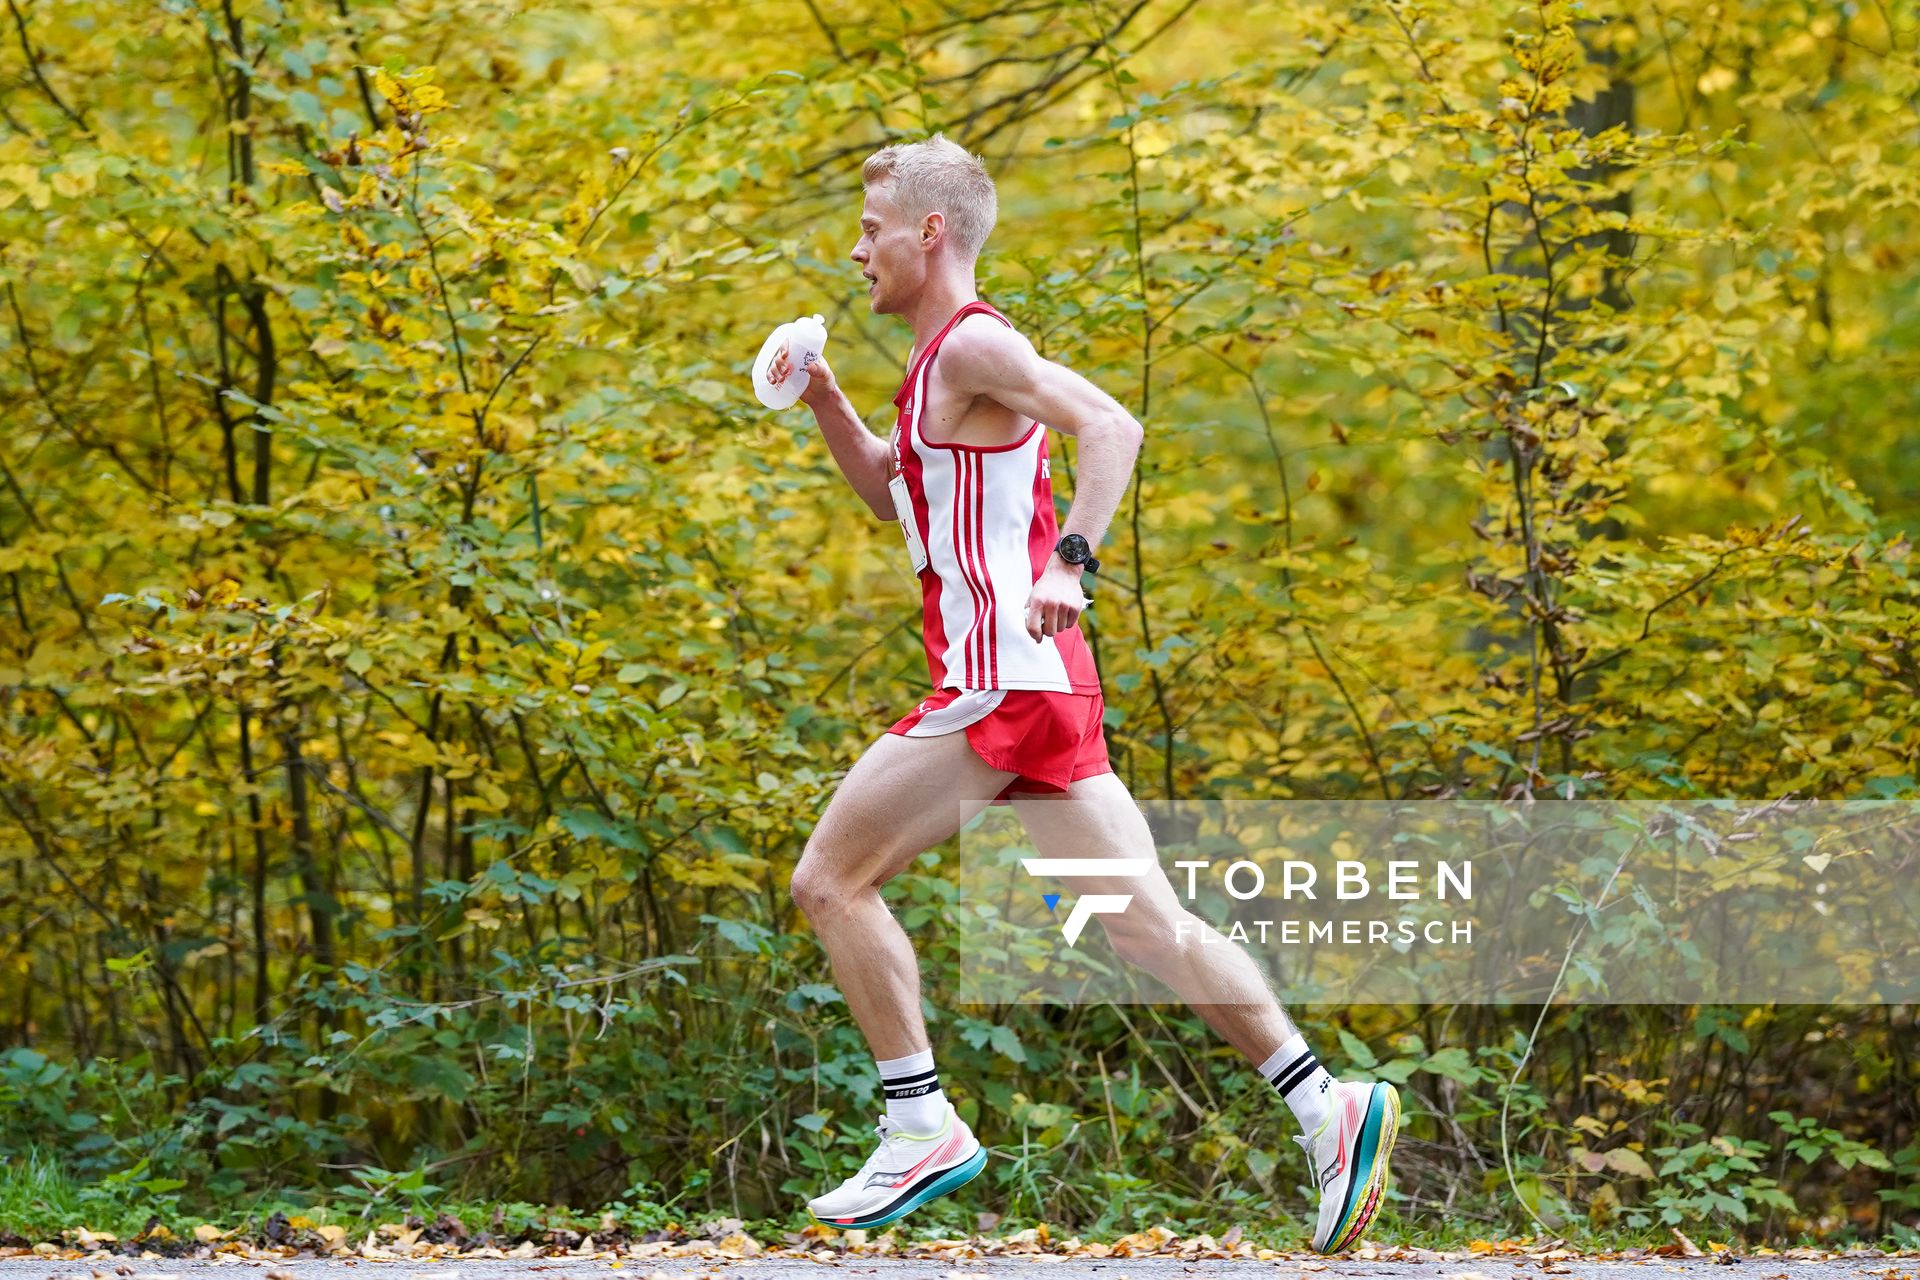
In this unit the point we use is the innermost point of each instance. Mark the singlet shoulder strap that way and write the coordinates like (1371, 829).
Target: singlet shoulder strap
(920, 361)
(917, 403)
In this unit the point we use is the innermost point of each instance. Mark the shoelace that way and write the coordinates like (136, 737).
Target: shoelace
(886, 1129)
(1313, 1170)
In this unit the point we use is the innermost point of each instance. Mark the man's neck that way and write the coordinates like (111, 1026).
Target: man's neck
(935, 306)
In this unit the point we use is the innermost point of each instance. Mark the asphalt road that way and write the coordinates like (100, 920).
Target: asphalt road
(1056, 1267)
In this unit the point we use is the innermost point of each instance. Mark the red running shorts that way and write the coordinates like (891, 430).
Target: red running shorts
(1049, 739)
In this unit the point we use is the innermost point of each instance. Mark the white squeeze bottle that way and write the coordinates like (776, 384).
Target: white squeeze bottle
(804, 337)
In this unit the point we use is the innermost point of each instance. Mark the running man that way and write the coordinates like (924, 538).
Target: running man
(1014, 715)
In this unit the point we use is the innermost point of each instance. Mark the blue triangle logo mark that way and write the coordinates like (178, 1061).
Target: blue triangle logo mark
(1053, 900)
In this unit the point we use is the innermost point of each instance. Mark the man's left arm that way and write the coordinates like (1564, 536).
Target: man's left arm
(999, 363)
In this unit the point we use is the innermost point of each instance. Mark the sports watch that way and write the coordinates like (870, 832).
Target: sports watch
(1074, 550)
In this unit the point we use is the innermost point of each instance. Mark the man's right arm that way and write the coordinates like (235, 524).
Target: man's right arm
(864, 458)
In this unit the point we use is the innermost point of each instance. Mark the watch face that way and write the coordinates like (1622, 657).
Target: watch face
(1073, 549)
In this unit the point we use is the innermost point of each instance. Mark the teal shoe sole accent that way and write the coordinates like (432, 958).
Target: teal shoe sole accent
(951, 1180)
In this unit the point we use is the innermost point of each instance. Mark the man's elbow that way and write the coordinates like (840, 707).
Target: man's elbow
(1116, 426)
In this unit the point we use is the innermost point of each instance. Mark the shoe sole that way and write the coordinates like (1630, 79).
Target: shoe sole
(937, 1185)
(1369, 1185)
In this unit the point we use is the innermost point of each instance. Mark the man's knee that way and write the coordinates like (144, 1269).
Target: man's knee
(823, 883)
(814, 888)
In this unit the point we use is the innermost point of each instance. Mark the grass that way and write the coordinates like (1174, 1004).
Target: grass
(39, 1200)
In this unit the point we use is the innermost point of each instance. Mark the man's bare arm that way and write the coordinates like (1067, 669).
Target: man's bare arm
(992, 360)
(864, 458)
(998, 362)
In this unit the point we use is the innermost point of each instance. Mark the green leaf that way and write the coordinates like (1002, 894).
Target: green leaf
(1008, 1044)
(139, 962)
(744, 934)
(1454, 1064)
(1396, 1072)
(1356, 1049)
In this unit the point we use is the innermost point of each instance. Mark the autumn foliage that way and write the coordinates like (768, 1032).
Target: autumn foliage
(423, 659)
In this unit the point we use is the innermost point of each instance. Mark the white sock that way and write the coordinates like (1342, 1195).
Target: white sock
(1299, 1078)
(914, 1100)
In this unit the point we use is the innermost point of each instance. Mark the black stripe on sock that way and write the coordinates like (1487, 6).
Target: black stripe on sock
(1286, 1068)
(1290, 1077)
(915, 1078)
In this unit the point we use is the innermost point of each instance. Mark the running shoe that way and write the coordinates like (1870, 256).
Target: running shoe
(1347, 1158)
(906, 1171)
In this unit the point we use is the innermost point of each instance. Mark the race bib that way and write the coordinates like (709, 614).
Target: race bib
(903, 507)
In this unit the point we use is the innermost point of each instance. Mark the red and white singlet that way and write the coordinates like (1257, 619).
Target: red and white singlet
(980, 527)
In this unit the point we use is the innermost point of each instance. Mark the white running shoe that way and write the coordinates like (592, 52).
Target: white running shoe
(904, 1173)
(1347, 1159)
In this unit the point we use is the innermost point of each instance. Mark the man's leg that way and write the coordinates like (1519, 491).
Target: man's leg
(1097, 818)
(901, 798)
(1349, 1126)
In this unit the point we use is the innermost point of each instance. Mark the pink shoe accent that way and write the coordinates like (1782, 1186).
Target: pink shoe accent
(946, 1148)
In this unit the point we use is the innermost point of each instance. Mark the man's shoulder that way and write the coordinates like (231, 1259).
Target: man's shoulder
(981, 346)
(982, 326)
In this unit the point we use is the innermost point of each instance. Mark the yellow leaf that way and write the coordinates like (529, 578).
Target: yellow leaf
(1628, 1162)
(1714, 79)
(69, 182)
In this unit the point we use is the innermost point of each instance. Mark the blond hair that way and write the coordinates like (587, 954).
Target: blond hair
(939, 176)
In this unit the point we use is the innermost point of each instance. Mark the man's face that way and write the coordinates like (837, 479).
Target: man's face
(888, 252)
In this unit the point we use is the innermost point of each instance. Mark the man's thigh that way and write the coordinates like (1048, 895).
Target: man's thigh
(1097, 818)
(902, 797)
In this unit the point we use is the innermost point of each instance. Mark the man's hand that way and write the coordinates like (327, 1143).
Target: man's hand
(1056, 601)
(864, 458)
(820, 386)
